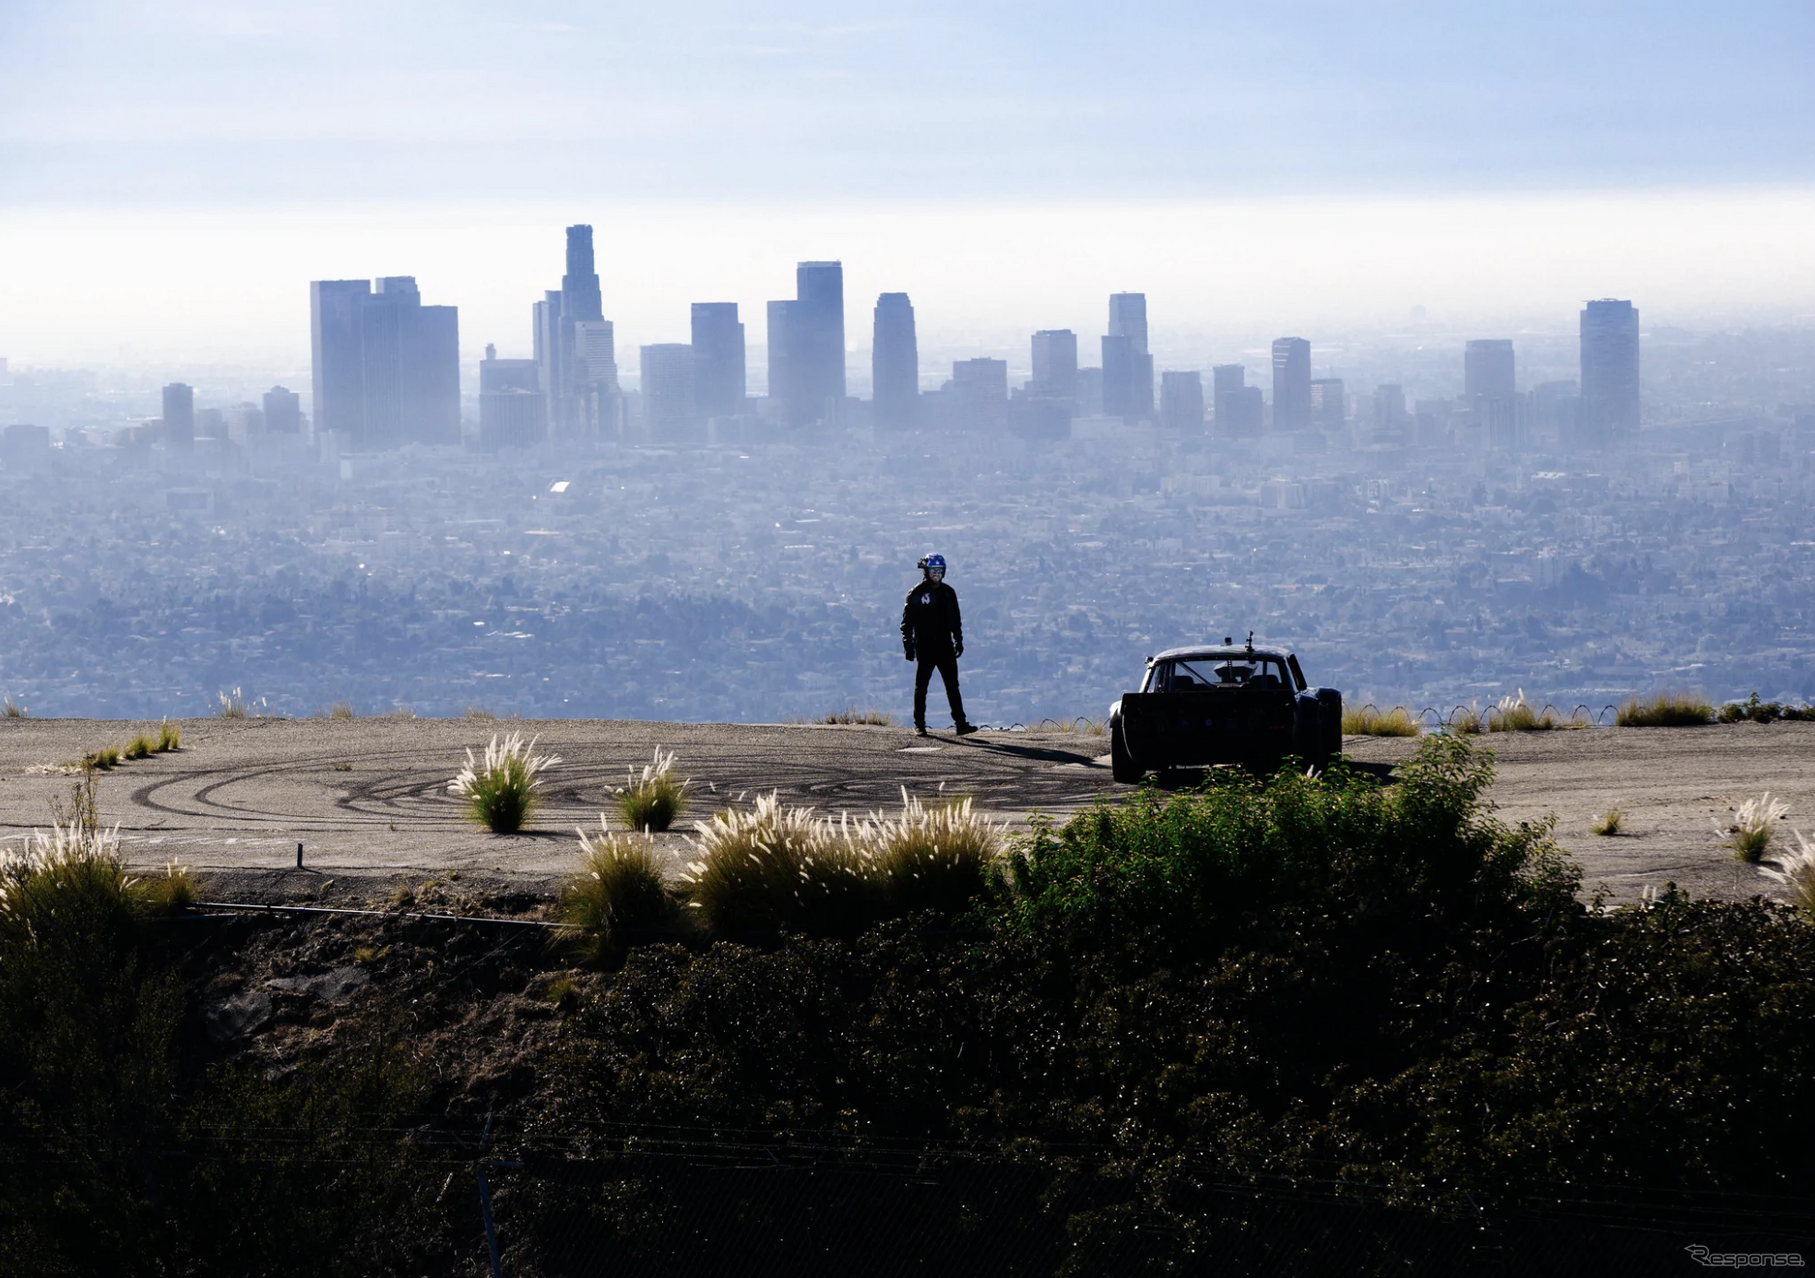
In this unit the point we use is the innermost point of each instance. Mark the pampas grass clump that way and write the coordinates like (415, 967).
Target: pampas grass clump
(652, 801)
(766, 870)
(503, 789)
(933, 858)
(1796, 871)
(1749, 836)
(617, 895)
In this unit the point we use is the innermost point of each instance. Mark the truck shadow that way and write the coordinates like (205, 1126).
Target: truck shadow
(1043, 754)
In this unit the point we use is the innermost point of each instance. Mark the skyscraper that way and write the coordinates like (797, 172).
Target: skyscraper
(580, 297)
(513, 412)
(1055, 352)
(179, 416)
(979, 391)
(806, 345)
(1127, 365)
(718, 360)
(283, 411)
(668, 407)
(1182, 402)
(894, 363)
(1487, 370)
(1128, 318)
(575, 349)
(1291, 384)
(386, 368)
(1238, 405)
(1609, 407)
(1329, 411)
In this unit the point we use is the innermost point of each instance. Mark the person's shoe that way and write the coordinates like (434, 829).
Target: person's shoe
(920, 729)
(965, 729)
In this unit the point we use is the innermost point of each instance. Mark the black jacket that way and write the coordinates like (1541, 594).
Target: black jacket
(930, 621)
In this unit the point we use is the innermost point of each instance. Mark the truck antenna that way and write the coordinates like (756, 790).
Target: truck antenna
(1250, 641)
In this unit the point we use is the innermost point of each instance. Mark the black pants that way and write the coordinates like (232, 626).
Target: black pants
(947, 666)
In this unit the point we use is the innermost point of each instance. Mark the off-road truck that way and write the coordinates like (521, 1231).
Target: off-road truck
(1233, 704)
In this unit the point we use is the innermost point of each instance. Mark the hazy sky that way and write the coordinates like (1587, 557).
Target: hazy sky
(194, 164)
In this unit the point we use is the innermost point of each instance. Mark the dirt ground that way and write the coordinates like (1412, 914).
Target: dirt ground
(367, 797)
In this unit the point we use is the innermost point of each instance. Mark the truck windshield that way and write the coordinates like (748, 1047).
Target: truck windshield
(1205, 673)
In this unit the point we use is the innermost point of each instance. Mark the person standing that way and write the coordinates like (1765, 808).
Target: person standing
(932, 633)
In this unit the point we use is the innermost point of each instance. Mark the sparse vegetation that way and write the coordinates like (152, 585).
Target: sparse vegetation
(479, 712)
(1609, 822)
(170, 737)
(618, 895)
(652, 801)
(341, 710)
(1081, 725)
(399, 712)
(1371, 721)
(232, 705)
(1516, 714)
(502, 790)
(1465, 721)
(16, 711)
(105, 759)
(1750, 832)
(1752, 710)
(1665, 710)
(866, 718)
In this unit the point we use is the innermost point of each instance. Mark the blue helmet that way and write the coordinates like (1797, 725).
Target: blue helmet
(933, 561)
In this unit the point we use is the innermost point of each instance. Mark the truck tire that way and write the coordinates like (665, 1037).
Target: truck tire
(1329, 704)
(1121, 764)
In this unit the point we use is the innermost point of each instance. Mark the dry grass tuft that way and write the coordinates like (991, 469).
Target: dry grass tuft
(1609, 822)
(1749, 835)
(652, 801)
(479, 712)
(170, 737)
(16, 711)
(232, 705)
(1666, 710)
(503, 789)
(1516, 714)
(171, 892)
(1371, 721)
(341, 710)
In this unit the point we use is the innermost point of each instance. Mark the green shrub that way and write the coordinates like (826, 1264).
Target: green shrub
(940, 858)
(1665, 710)
(170, 737)
(652, 801)
(769, 870)
(1749, 834)
(1371, 721)
(105, 759)
(502, 790)
(1190, 867)
(617, 896)
(140, 747)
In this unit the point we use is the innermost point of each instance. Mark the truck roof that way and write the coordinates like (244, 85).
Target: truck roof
(1220, 652)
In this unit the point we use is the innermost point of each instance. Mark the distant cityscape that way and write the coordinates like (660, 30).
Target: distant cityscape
(552, 541)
